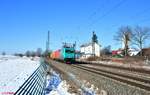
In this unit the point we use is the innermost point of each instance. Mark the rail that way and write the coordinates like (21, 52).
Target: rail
(35, 84)
(125, 78)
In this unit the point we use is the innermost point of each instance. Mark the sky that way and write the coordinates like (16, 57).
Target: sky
(24, 23)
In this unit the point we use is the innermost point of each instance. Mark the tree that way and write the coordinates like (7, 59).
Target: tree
(33, 54)
(3, 53)
(106, 50)
(140, 35)
(124, 35)
(94, 38)
(18, 54)
(47, 53)
(39, 52)
(28, 53)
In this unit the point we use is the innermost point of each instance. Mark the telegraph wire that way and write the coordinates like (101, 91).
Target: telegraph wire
(139, 14)
(144, 20)
(111, 10)
(95, 12)
(98, 9)
(108, 12)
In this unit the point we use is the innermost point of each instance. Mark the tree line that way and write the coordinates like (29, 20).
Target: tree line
(30, 53)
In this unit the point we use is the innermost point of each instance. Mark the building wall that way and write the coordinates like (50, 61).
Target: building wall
(87, 51)
(97, 50)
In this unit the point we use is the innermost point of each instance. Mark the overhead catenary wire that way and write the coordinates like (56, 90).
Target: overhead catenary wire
(137, 15)
(108, 12)
(105, 13)
(112, 9)
(97, 10)
(144, 20)
(140, 13)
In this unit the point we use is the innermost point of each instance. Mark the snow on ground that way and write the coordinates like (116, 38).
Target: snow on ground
(14, 71)
(57, 86)
(85, 87)
(62, 89)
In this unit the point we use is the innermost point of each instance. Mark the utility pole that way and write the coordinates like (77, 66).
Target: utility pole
(74, 46)
(47, 42)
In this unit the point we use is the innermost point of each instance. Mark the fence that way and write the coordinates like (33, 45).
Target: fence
(35, 84)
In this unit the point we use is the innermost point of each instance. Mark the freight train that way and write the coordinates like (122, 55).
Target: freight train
(66, 54)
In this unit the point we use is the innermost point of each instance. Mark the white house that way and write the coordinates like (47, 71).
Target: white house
(133, 51)
(90, 49)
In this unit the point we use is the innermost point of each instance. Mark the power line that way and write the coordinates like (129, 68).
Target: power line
(137, 15)
(97, 10)
(144, 20)
(47, 42)
(141, 13)
(94, 13)
(112, 9)
(108, 12)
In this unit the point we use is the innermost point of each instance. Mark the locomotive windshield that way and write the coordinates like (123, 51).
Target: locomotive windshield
(69, 51)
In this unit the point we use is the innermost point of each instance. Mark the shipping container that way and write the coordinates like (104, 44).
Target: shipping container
(55, 54)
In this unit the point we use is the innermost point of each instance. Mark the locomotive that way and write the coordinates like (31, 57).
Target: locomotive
(66, 54)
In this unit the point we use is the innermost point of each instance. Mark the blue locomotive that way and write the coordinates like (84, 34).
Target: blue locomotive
(67, 53)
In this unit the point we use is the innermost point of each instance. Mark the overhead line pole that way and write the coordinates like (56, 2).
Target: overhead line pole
(47, 42)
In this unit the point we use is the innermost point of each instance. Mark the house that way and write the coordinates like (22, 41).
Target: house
(117, 53)
(133, 51)
(145, 52)
(120, 52)
(89, 49)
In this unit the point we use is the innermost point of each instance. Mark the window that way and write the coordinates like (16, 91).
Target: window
(69, 51)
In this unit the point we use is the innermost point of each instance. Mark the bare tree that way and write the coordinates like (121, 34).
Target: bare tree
(124, 36)
(141, 34)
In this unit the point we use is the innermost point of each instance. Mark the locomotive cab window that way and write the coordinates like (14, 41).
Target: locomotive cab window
(69, 51)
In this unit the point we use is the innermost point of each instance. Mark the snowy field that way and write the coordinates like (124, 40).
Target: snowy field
(14, 71)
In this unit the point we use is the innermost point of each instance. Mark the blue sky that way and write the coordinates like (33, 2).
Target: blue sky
(24, 23)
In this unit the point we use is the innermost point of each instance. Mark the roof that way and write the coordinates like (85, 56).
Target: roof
(146, 51)
(68, 45)
(87, 44)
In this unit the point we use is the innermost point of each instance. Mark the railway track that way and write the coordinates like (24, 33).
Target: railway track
(137, 72)
(134, 77)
